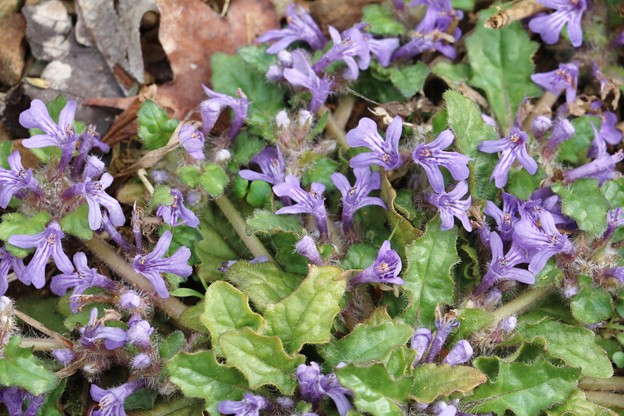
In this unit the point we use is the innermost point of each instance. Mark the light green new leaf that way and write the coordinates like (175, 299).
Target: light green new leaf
(399, 361)
(453, 74)
(592, 305)
(16, 223)
(525, 389)
(265, 283)
(464, 118)
(199, 375)
(261, 359)
(381, 20)
(371, 340)
(577, 405)
(214, 180)
(572, 344)
(77, 223)
(502, 66)
(409, 79)
(427, 278)
(19, 367)
(266, 222)
(613, 190)
(155, 126)
(227, 308)
(306, 316)
(585, 204)
(432, 381)
(374, 390)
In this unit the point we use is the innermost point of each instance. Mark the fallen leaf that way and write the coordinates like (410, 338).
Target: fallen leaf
(12, 49)
(339, 14)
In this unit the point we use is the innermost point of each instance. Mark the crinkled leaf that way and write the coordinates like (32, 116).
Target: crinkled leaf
(371, 340)
(199, 375)
(359, 256)
(592, 305)
(256, 56)
(50, 406)
(525, 389)
(155, 126)
(306, 315)
(320, 171)
(427, 277)
(471, 320)
(409, 79)
(381, 21)
(501, 62)
(453, 74)
(214, 180)
(161, 196)
(374, 390)
(464, 118)
(574, 345)
(585, 204)
(265, 283)
(190, 318)
(613, 190)
(577, 405)
(522, 184)
(171, 345)
(227, 308)
(405, 232)
(19, 367)
(260, 193)
(16, 223)
(432, 381)
(399, 361)
(77, 223)
(266, 222)
(261, 359)
(183, 406)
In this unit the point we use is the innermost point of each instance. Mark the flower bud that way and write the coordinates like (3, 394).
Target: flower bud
(139, 334)
(285, 58)
(64, 356)
(130, 300)
(141, 362)
(274, 73)
(282, 120)
(461, 352)
(419, 342)
(540, 126)
(223, 156)
(508, 324)
(94, 167)
(307, 248)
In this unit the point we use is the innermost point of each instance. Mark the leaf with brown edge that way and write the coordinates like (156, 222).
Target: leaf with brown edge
(432, 381)
(405, 231)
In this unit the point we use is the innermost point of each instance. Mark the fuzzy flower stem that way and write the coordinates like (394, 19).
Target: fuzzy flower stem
(238, 223)
(519, 304)
(518, 11)
(171, 306)
(606, 384)
(334, 129)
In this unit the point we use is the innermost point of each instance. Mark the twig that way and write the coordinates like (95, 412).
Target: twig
(520, 303)
(518, 11)
(605, 399)
(142, 174)
(58, 338)
(343, 111)
(42, 344)
(604, 384)
(171, 306)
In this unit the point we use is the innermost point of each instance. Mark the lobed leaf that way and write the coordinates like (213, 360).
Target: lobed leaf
(155, 126)
(19, 367)
(585, 204)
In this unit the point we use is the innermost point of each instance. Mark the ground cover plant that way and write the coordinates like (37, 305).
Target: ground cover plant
(384, 208)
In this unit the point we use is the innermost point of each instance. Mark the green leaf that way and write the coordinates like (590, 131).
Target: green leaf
(266, 222)
(320, 171)
(77, 223)
(171, 345)
(454, 75)
(472, 320)
(585, 204)
(427, 278)
(399, 361)
(432, 381)
(613, 190)
(522, 184)
(189, 175)
(19, 367)
(502, 66)
(369, 341)
(50, 406)
(470, 130)
(5, 151)
(16, 223)
(161, 196)
(359, 256)
(405, 232)
(260, 193)
(190, 318)
(214, 180)
(525, 389)
(577, 405)
(574, 149)
(572, 344)
(227, 308)
(592, 305)
(374, 390)
(306, 316)
(155, 126)
(183, 406)
(381, 21)
(183, 236)
(199, 375)
(262, 359)
(265, 283)
(409, 79)
(257, 57)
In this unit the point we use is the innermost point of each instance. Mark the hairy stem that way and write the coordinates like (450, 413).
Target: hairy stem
(518, 11)
(334, 129)
(42, 344)
(604, 384)
(605, 399)
(252, 242)
(520, 303)
(171, 306)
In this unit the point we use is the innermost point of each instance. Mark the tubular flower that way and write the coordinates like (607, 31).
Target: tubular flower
(16, 181)
(301, 74)
(384, 152)
(249, 406)
(563, 79)
(314, 386)
(567, 12)
(385, 268)
(352, 48)
(211, 108)
(301, 27)
(450, 205)
(176, 213)
(311, 202)
(271, 164)
(111, 401)
(9, 262)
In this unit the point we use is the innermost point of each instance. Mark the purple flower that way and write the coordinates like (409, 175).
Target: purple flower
(139, 333)
(301, 27)
(113, 337)
(302, 75)
(568, 12)
(542, 242)
(505, 218)
(88, 140)
(459, 354)
(214, 105)
(307, 248)
(384, 152)
(508, 324)
(46, 243)
(93, 192)
(439, 15)
(356, 196)
(16, 180)
(449, 205)
(111, 401)
(601, 168)
(109, 228)
(153, 264)
(426, 42)
(311, 202)
(382, 49)
(431, 156)
(445, 325)
(141, 362)
(385, 268)
(271, 164)
(314, 386)
(82, 279)
(64, 356)
(616, 273)
(419, 342)
(352, 48)
(14, 398)
(9, 262)
(513, 147)
(608, 130)
(502, 266)
(562, 130)
(130, 300)
(540, 125)
(177, 211)
(249, 406)
(94, 167)
(59, 135)
(193, 141)
(615, 219)
(555, 82)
